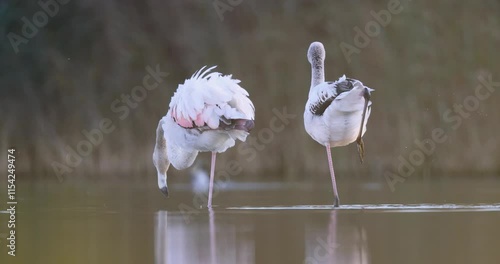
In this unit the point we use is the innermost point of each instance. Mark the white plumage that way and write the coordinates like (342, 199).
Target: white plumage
(209, 112)
(336, 112)
(205, 97)
(339, 125)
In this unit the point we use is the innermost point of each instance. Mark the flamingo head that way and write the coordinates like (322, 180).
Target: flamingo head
(244, 124)
(237, 124)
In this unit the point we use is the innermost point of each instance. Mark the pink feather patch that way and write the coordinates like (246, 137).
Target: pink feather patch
(199, 120)
(183, 122)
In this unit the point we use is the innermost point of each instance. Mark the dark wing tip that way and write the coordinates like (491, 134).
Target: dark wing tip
(320, 107)
(164, 190)
(345, 86)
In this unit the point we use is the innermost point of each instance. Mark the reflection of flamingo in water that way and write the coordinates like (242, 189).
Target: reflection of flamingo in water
(178, 241)
(345, 241)
(336, 112)
(209, 112)
(200, 180)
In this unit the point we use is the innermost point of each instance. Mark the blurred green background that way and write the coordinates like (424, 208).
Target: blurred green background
(64, 79)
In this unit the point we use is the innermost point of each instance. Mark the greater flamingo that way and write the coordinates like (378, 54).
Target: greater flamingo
(209, 112)
(336, 112)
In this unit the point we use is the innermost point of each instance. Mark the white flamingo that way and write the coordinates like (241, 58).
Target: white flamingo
(336, 113)
(209, 112)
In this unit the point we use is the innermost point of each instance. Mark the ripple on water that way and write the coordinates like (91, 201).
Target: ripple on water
(402, 208)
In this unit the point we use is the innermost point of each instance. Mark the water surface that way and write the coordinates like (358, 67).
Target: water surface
(294, 223)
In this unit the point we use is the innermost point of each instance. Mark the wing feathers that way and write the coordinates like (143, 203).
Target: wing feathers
(320, 106)
(207, 96)
(322, 96)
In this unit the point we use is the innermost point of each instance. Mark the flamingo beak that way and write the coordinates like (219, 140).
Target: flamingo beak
(164, 190)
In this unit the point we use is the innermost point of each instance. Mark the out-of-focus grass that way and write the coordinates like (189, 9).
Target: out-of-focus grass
(427, 59)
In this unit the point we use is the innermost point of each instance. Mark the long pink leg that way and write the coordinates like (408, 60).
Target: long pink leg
(332, 174)
(211, 187)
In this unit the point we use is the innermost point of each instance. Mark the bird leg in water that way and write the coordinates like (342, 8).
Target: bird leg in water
(359, 140)
(211, 186)
(336, 199)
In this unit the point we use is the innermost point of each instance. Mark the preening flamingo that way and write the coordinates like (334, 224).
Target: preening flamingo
(209, 112)
(336, 112)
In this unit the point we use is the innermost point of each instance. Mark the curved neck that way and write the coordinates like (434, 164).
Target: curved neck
(317, 72)
(161, 143)
(160, 158)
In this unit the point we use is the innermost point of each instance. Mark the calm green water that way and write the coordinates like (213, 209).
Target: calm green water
(133, 223)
